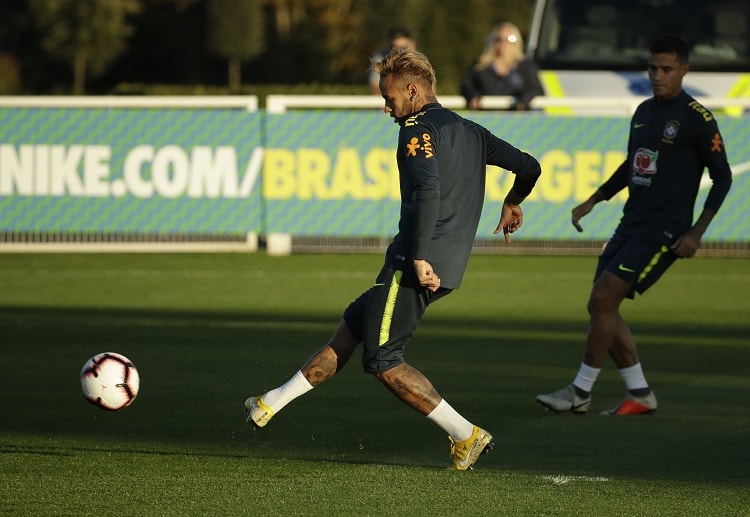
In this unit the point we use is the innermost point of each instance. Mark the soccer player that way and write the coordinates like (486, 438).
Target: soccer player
(672, 139)
(442, 160)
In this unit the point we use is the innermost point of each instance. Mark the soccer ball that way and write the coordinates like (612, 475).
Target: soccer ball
(110, 381)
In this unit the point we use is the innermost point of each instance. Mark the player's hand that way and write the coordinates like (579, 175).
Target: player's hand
(686, 245)
(426, 276)
(579, 211)
(511, 219)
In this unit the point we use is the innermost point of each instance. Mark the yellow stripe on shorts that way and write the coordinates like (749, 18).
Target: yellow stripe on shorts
(390, 304)
(654, 260)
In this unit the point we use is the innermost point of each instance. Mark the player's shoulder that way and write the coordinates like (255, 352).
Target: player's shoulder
(684, 107)
(433, 119)
(434, 114)
(695, 109)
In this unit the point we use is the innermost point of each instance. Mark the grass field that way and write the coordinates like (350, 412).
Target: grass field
(206, 331)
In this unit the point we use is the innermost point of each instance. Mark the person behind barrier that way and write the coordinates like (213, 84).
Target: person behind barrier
(398, 37)
(502, 70)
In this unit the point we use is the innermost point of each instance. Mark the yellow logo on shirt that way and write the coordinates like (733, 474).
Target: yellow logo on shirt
(700, 109)
(425, 145)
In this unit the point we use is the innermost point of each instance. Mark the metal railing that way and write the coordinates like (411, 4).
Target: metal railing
(282, 103)
(594, 106)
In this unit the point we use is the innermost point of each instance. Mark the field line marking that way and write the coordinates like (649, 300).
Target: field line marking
(562, 479)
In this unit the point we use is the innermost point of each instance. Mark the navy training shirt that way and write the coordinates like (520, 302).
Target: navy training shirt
(670, 144)
(442, 161)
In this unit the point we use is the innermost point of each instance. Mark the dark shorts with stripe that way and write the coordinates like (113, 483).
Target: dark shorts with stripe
(640, 261)
(385, 316)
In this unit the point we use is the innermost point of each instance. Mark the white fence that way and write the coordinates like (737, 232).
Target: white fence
(558, 105)
(282, 103)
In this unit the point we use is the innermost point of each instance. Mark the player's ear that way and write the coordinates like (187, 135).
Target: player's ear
(411, 90)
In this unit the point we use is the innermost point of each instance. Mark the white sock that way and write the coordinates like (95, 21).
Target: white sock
(586, 377)
(633, 377)
(277, 398)
(451, 421)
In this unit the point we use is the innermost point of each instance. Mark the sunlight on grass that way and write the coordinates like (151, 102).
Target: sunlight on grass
(206, 331)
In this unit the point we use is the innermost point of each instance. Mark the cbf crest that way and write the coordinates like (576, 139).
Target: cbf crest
(670, 129)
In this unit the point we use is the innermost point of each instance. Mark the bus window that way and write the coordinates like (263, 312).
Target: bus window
(598, 49)
(615, 34)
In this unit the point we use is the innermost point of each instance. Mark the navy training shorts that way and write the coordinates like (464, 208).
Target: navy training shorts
(385, 316)
(640, 261)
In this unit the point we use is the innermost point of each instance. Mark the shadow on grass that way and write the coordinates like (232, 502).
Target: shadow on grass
(198, 367)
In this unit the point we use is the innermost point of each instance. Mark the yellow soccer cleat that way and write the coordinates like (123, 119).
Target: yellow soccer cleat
(467, 452)
(258, 413)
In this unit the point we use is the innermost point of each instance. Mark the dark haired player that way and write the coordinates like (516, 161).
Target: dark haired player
(672, 139)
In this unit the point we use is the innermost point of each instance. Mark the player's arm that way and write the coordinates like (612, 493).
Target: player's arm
(713, 153)
(688, 243)
(526, 170)
(615, 183)
(421, 167)
(711, 149)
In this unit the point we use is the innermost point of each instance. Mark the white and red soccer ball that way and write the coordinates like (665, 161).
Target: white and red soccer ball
(110, 381)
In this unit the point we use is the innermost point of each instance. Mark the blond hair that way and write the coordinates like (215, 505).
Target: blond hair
(488, 55)
(407, 65)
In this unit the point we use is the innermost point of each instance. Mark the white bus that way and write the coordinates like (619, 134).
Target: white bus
(599, 48)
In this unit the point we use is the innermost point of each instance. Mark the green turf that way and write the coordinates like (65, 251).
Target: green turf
(206, 331)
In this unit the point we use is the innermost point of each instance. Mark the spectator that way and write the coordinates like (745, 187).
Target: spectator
(502, 69)
(398, 37)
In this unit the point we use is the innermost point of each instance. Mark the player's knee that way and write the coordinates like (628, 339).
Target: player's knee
(380, 367)
(598, 305)
(391, 376)
(343, 341)
(607, 294)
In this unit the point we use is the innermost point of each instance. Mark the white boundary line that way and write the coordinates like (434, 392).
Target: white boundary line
(562, 479)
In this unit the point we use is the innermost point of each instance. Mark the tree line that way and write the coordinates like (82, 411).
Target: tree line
(92, 46)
